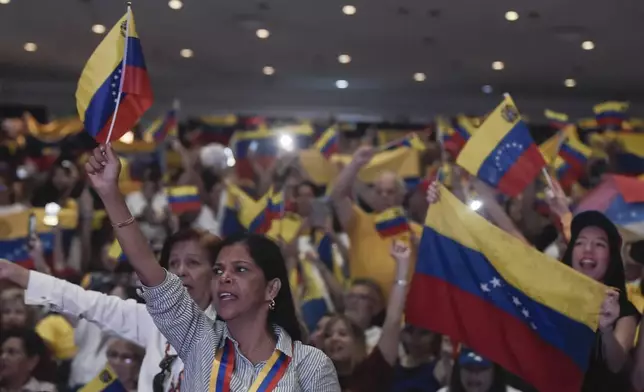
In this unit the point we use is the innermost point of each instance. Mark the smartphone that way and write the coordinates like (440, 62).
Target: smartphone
(320, 212)
(31, 229)
(32, 224)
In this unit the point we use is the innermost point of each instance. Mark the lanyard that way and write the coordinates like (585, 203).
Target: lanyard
(224, 365)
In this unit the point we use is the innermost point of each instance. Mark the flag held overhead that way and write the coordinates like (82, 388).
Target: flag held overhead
(504, 299)
(114, 88)
(501, 152)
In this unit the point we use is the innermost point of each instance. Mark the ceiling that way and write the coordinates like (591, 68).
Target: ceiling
(453, 42)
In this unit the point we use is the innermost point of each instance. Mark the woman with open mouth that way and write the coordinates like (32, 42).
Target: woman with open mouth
(255, 342)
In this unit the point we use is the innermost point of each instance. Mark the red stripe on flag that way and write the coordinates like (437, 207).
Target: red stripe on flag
(438, 306)
(523, 172)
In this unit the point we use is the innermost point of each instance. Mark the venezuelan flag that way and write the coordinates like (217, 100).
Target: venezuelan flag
(556, 120)
(273, 209)
(483, 287)
(450, 140)
(502, 152)
(162, 127)
(313, 304)
(410, 141)
(116, 252)
(230, 223)
(541, 205)
(464, 127)
(328, 144)
(565, 173)
(183, 199)
(392, 222)
(115, 72)
(14, 238)
(610, 115)
(106, 381)
(575, 153)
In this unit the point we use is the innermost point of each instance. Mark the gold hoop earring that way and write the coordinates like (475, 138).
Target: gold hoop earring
(271, 305)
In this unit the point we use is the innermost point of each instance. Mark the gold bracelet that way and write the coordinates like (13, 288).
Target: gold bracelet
(126, 222)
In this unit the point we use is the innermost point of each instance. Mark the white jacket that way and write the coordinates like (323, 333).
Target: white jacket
(125, 318)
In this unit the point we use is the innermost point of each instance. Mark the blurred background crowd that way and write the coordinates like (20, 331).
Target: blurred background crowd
(189, 175)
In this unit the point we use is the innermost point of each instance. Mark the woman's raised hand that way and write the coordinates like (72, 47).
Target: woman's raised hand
(433, 192)
(103, 168)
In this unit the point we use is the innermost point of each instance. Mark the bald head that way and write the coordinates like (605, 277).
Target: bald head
(389, 189)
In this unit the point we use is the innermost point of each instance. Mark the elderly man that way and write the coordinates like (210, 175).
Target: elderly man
(369, 252)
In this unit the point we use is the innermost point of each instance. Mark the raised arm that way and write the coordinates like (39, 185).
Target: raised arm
(173, 310)
(343, 185)
(126, 318)
(103, 168)
(390, 337)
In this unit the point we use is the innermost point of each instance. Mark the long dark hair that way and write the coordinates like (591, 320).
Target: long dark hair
(34, 346)
(614, 276)
(499, 383)
(268, 256)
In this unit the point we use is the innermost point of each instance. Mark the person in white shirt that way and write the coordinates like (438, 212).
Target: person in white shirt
(186, 254)
(212, 208)
(474, 373)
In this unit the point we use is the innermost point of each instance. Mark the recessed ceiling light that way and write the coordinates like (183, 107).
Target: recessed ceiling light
(498, 65)
(5, 1)
(186, 53)
(263, 33)
(420, 77)
(349, 10)
(341, 84)
(175, 4)
(268, 70)
(98, 29)
(511, 16)
(344, 58)
(570, 83)
(30, 47)
(487, 89)
(588, 45)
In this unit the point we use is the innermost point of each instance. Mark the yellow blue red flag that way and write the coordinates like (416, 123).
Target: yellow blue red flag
(114, 86)
(611, 115)
(501, 152)
(183, 199)
(163, 127)
(116, 252)
(392, 222)
(328, 144)
(411, 141)
(506, 300)
(556, 120)
(106, 381)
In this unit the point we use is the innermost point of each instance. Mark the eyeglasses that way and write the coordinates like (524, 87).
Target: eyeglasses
(159, 379)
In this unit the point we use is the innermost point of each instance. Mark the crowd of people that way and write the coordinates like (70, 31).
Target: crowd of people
(134, 294)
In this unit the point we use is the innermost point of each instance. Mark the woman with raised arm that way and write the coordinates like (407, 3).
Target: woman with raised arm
(187, 253)
(255, 346)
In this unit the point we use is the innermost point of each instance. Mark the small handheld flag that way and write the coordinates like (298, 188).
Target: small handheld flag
(114, 88)
(392, 222)
(556, 120)
(106, 381)
(501, 152)
(327, 144)
(610, 115)
(164, 126)
(411, 141)
(116, 252)
(183, 199)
